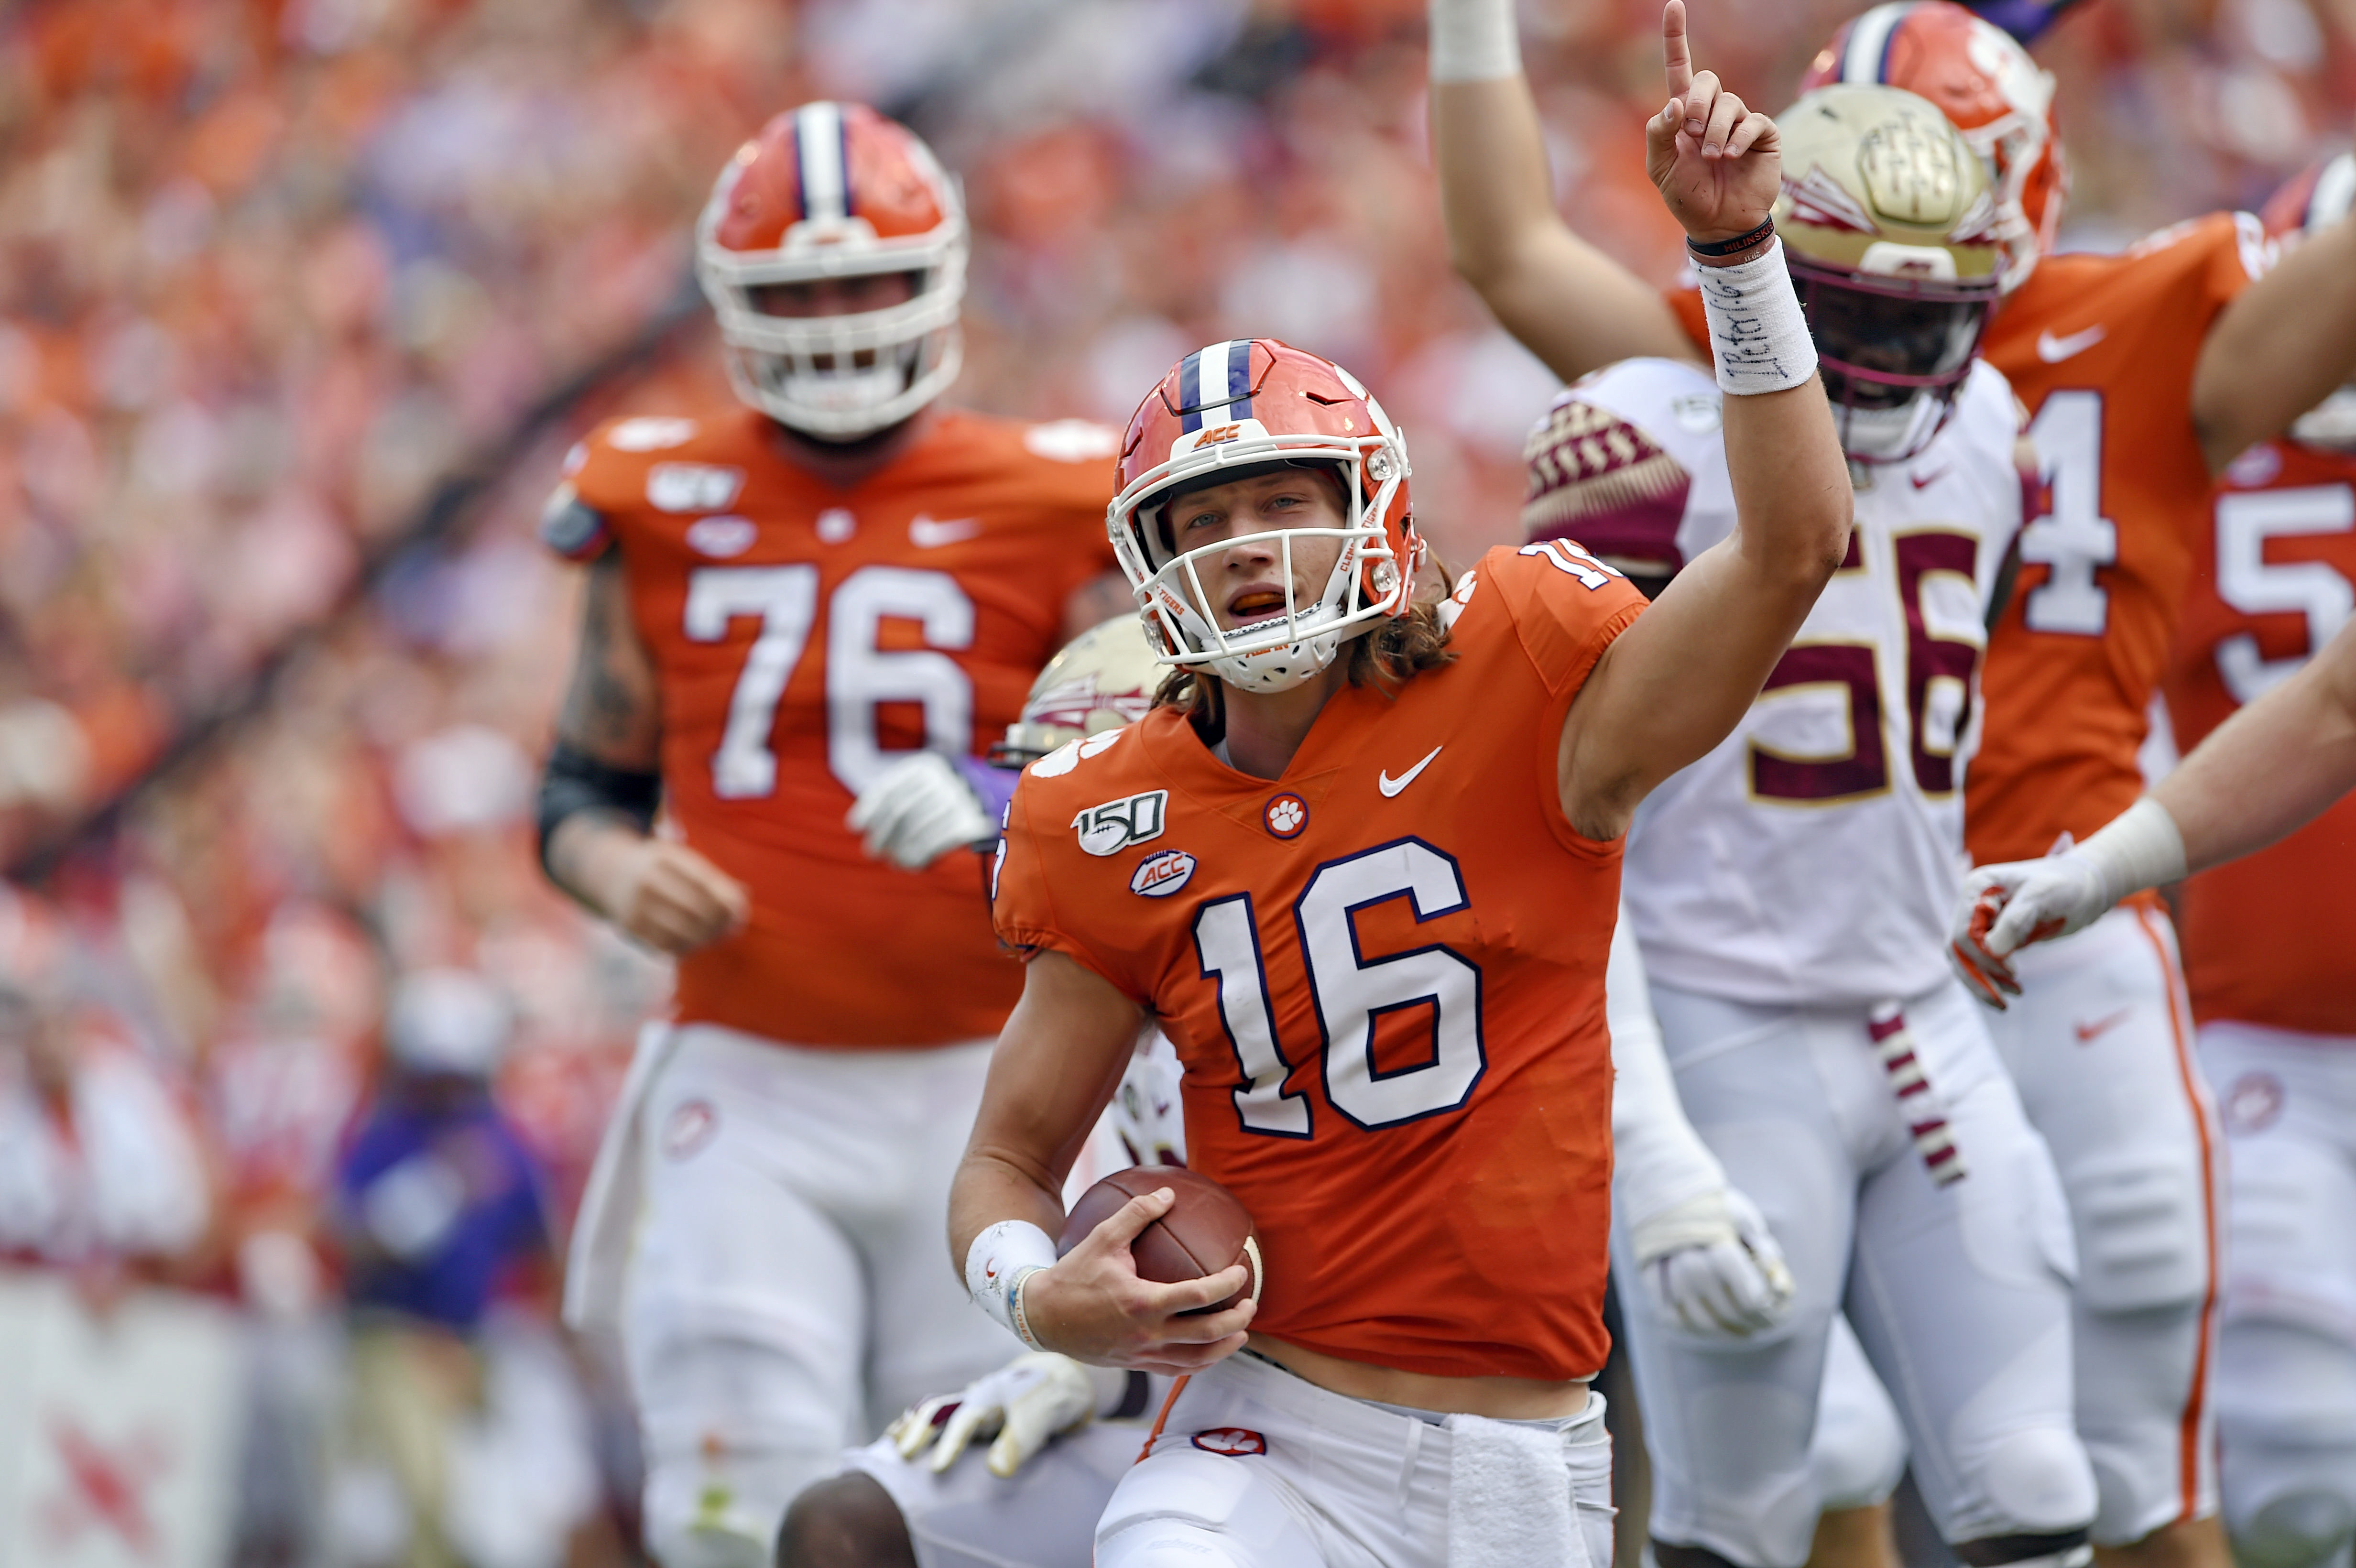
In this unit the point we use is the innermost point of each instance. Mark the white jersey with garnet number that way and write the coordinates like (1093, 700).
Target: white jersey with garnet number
(1812, 857)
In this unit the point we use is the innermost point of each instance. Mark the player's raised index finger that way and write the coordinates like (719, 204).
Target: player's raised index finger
(1674, 55)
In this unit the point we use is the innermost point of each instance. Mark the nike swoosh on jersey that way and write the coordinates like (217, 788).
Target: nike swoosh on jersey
(927, 533)
(2086, 1032)
(1922, 484)
(1391, 787)
(2053, 350)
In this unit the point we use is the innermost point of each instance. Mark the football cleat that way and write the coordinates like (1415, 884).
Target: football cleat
(835, 192)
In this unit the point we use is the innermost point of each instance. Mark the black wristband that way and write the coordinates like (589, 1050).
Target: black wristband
(575, 781)
(1740, 243)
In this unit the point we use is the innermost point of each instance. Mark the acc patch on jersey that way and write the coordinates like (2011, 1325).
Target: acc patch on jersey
(1233, 1441)
(1109, 828)
(1159, 876)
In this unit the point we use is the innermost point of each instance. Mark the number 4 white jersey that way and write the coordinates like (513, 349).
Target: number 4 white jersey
(1813, 855)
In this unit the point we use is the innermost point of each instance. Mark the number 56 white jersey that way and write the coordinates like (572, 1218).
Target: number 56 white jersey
(1813, 855)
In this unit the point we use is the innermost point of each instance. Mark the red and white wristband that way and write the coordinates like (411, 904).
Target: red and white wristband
(1000, 1259)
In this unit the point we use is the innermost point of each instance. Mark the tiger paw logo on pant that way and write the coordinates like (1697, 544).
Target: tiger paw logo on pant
(1233, 1441)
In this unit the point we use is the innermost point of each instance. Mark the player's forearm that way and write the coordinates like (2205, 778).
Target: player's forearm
(1564, 299)
(2279, 349)
(2272, 766)
(1658, 1161)
(587, 855)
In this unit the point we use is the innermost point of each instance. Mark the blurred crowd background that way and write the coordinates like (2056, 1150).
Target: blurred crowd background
(301, 302)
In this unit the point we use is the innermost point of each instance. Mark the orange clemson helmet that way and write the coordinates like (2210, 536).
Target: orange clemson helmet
(1988, 86)
(835, 192)
(2317, 197)
(1232, 411)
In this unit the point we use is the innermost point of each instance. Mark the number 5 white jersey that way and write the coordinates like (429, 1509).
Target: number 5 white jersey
(1812, 857)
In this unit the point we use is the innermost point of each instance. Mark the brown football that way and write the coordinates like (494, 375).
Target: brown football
(1205, 1231)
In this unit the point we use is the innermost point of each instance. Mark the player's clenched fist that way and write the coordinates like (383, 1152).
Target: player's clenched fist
(1092, 1305)
(1717, 163)
(662, 892)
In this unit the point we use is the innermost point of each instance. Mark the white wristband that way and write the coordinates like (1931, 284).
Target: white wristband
(1757, 335)
(1475, 41)
(2142, 847)
(1000, 1260)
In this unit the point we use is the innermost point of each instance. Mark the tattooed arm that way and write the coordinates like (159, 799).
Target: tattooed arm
(609, 734)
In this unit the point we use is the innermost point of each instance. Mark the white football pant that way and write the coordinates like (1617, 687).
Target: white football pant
(2286, 1351)
(1258, 1469)
(2098, 1044)
(1043, 1515)
(791, 1291)
(1857, 1455)
(1958, 1293)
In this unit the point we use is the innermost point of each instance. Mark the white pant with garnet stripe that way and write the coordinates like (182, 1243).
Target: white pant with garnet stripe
(1958, 1291)
(2098, 1043)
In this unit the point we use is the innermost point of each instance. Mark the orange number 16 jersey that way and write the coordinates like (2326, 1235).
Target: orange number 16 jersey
(2271, 938)
(1383, 975)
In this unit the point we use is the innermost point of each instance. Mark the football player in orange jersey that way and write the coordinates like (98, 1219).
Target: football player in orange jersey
(2269, 940)
(2146, 372)
(786, 601)
(1361, 863)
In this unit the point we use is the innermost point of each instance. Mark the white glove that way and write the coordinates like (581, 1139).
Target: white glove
(1038, 1396)
(2007, 907)
(1712, 1265)
(919, 810)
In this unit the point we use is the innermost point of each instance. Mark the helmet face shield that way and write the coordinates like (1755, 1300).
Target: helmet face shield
(828, 196)
(1882, 341)
(1237, 411)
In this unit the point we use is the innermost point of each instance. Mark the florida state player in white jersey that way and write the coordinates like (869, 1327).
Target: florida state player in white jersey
(1790, 890)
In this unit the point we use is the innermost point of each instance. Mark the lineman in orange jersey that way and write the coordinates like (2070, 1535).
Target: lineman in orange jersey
(2269, 948)
(1362, 865)
(2146, 372)
(786, 602)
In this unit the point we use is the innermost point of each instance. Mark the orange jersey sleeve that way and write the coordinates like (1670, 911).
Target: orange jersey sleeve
(2102, 351)
(2270, 938)
(805, 638)
(1383, 975)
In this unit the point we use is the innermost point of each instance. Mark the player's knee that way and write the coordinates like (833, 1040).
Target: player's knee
(1857, 1455)
(2142, 1235)
(845, 1522)
(1184, 1510)
(2036, 1482)
(2296, 1530)
(724, 1510)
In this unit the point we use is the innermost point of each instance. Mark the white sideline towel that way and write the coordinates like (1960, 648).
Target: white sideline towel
(1509, 1497)
(598, 1260)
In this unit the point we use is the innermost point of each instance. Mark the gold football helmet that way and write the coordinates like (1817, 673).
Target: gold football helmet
(1103, 678)
(1892, 234)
